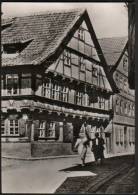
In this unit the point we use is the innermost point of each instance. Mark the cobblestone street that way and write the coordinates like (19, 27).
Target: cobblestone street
(117, 175)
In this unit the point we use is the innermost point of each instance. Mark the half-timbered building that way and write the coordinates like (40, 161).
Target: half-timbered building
(54, 81)
(121, 131)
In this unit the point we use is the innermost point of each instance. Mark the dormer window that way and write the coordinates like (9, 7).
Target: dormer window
(13, 49)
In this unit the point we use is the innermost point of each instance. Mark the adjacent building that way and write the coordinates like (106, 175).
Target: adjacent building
(54, 81)
(121, 130)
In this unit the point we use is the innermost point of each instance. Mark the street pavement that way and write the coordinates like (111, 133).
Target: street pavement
(41, 176)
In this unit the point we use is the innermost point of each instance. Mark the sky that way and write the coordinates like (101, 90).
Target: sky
(108, 19)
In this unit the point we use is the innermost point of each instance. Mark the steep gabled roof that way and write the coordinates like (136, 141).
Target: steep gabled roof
(112, 48)
(46, 31)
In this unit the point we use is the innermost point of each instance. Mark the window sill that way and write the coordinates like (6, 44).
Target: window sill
(17, 135)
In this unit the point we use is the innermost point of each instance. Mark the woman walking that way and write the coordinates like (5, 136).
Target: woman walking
(82, 144)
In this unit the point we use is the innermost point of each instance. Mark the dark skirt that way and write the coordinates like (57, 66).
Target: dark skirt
(98, 153)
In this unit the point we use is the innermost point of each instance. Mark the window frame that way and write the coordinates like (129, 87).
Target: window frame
(81, 34)
(14, 127)
(12, 82)
(79, 98)
(3, 127)
(42, 128)
(67, 57)
(82, 64)
(53, 128)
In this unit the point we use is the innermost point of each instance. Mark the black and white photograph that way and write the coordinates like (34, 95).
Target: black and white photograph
(68, 97)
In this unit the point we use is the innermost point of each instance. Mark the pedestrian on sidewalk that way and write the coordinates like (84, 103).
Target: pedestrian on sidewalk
(98, 148)
(81, 145)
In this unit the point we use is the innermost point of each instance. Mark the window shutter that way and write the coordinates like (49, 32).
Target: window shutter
(36, 131)
(22, 127)
(68, 133)
(57, 126)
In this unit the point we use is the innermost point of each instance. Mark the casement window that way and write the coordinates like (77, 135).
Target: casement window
(42, 129)
(133, 110)
(67, 57)
(12, 84)
(50, 131)
(129, 109)
(3, 130)
(125, 63)
(117, 106)
(121, 136)
(79, 98)
(81, 34)
(64, 93)
(13, 127)
(130, 135)
(121, 107)
(26, 84)
(55, 91)
(101, 103)
(125, 108)
(46, 89)
(121, 83)
(2, 82)
(117, 135)
(125, 85)
(94, 72)
(82, 64)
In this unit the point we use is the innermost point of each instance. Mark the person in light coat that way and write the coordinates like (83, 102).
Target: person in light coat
(82, 144)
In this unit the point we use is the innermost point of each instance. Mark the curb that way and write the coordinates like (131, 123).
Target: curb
(39, 158)
(62, 156)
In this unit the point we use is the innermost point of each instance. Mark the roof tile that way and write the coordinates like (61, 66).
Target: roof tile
(46, 31)
(112, 48)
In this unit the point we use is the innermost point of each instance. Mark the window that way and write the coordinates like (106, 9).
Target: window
(26, 84)
(81, 34)
(15, 48)
(2, 82)
(117, 135)
(42, 129)
(121, 107)
(55, 91)
(101, 103)
(79, 97)
(3, 130)
(121, 82)
(12, 84)
(67, 58)
(94, 72)
(125, 108)
(50, 133)
(64, 94)
(121, 136)
(133, 110)
(125, 62)
(13, 127)
(47, 88)
(129, 109)
(117, 106)
(82, 63)
(125, 85)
